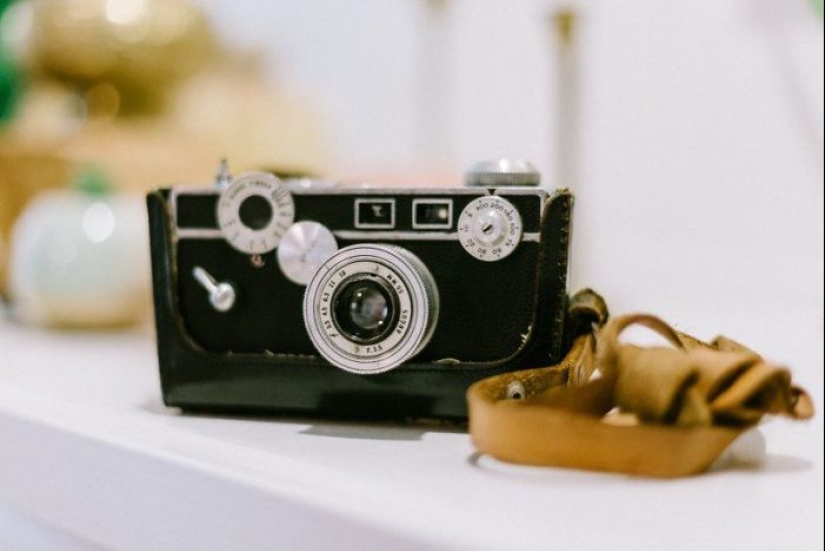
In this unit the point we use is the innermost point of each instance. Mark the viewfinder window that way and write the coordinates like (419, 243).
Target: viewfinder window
(375, 213)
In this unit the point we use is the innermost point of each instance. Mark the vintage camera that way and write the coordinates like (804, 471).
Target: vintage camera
(307, 297)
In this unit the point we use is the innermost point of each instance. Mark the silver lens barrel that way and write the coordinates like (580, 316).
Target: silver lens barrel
(369, 308)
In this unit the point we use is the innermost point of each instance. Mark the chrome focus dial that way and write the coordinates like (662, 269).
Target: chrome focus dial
(489, 228)
(305, 246)
(254, 212)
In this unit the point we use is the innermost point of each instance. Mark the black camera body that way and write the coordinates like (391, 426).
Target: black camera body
(308, 298)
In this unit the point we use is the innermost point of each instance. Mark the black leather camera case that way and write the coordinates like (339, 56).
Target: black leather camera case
(495, 317)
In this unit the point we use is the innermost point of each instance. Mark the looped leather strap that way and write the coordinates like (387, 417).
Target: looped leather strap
(654, 411)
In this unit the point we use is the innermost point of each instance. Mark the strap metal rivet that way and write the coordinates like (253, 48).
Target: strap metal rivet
(515, 391)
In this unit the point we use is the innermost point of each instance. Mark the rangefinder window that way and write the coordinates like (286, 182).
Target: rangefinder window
(432, 214)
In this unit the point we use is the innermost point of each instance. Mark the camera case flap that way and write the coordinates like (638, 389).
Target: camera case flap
(352, 302)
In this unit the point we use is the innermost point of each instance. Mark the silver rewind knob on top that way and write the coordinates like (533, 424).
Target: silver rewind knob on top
(502, 173)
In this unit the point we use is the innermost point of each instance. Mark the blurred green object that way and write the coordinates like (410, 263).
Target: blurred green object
(10, 80)
(92, 181)
(9, 89)
(818, 6)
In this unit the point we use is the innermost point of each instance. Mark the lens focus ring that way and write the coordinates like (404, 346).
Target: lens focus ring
(369, 308)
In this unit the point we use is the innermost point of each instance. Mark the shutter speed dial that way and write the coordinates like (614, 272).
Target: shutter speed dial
(490, 228)
(254, 212)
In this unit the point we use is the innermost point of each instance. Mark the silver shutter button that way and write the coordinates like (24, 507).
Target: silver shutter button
(502, 173)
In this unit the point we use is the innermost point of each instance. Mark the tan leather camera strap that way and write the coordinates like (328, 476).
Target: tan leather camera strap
(651, 411)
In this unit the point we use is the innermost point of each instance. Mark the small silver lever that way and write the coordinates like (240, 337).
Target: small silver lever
(223, 178)
(221, 294)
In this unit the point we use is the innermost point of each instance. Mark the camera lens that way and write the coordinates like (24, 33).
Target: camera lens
(364, 309)
(369, 308)
(255, 212)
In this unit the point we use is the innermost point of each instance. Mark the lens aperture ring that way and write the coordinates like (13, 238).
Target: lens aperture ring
(414, 296)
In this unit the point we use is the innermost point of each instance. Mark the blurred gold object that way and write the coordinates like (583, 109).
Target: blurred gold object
(141, 90)
(223, 114)
(139, 47)
(238, 115)
(48, 115)
(93, 62)
(102, 101)
(23, 175)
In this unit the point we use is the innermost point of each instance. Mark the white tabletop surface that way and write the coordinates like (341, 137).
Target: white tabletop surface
(88, 450)
(87, 447)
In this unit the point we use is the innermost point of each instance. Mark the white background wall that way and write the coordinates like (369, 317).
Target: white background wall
(701, 128)
(661, 67)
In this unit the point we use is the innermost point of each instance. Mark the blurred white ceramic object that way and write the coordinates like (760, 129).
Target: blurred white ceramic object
(80, 260)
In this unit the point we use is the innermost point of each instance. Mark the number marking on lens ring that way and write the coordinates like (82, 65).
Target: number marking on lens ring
(489, 228)
(242, 237)
(417, 303)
